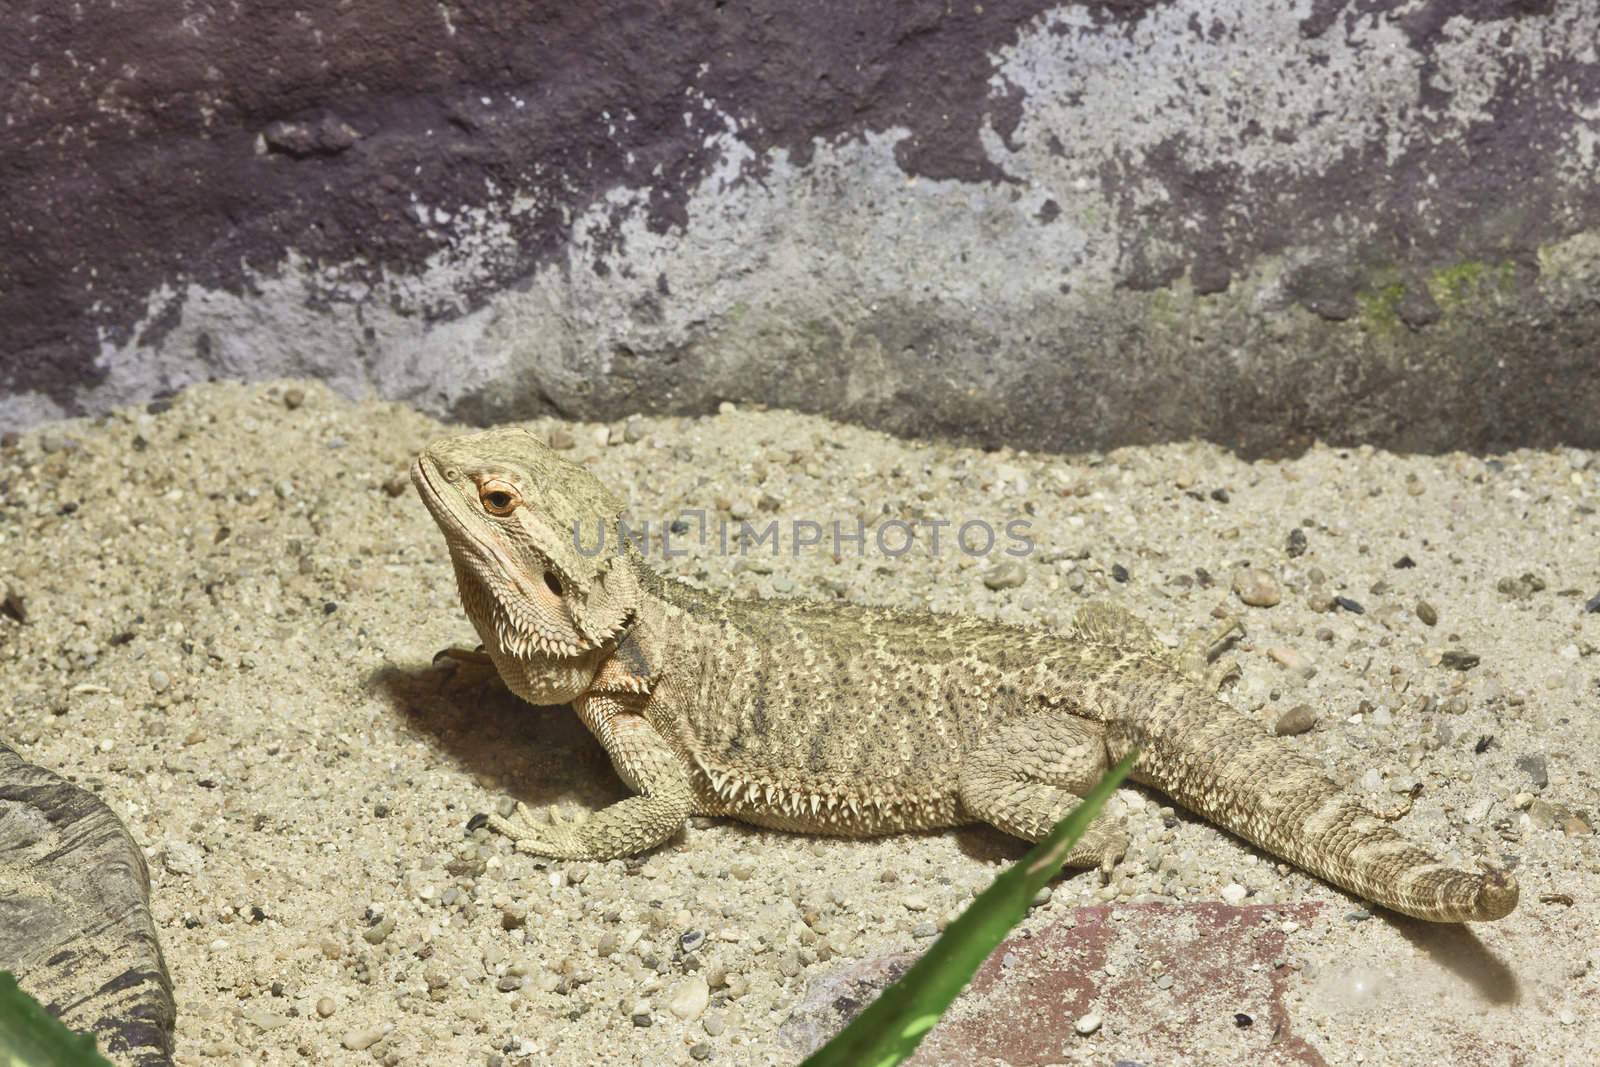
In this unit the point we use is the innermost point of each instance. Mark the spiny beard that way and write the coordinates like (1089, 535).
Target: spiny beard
(514, 631)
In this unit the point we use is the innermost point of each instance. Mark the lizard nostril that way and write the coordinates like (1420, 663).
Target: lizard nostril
(552, 583)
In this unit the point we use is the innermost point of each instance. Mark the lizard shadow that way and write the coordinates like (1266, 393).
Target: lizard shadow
(1456, 948)
(538, 755)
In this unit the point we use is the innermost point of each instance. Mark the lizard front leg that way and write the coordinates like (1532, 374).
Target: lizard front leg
(646, 763)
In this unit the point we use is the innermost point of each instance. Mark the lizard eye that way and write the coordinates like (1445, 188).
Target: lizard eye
(498, 497)
(552, 583)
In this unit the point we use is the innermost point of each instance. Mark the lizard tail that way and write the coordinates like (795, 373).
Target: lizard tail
(1227, 768)
(1340, 840)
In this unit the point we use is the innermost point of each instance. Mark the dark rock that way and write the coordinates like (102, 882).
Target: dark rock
(14, 606)
(1297, 720)
(1416, 307)
(1537, 768)
(82, 943)
(1296, 545)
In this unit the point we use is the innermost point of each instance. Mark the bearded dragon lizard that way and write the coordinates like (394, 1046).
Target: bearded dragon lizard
(854, 720)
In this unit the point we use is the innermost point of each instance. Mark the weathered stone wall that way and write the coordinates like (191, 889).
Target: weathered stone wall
(1057, 225)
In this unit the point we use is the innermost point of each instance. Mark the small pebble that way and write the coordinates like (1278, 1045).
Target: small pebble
(688, 998)
(266, 1020)
(1234, 893)
(375, 935)
(1521, 587)
(326, 1006)
(159, 680)
(1291, 660)
(1543, 814)
(714, 1023)
(1320, 601)
(1086, 1024)
(1007, 575)
(1297, 542)
(1458, 660)
(182, 858)
(691, 941)
(1352, 606)
(292, 399)
(364, 1037)
(1257, 588)
(1297, 720)
(700, 1050)
(1427, 613)
(561, 439)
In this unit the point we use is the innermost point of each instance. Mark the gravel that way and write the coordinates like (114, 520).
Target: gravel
(255, 736)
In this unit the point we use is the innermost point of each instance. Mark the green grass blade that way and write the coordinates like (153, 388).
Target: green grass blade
(32, 1037)
(892, 1026)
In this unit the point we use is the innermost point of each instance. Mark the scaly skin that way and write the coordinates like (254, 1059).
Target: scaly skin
(842, 719)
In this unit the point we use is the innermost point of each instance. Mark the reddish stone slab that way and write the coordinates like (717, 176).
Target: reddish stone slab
(1224, 1003)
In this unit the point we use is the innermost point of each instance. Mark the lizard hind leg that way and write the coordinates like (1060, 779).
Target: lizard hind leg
(1032, 773)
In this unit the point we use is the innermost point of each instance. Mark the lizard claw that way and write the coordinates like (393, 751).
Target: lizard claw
(561, 838)
(468, 656)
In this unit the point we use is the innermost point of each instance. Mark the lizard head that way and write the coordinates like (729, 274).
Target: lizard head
(522, 525)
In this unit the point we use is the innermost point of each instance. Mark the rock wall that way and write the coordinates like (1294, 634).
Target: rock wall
(1052, 225)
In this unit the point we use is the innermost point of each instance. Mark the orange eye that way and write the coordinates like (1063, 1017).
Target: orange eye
(498, 497)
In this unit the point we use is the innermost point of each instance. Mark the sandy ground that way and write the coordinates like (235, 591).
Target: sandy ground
(231, 606)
